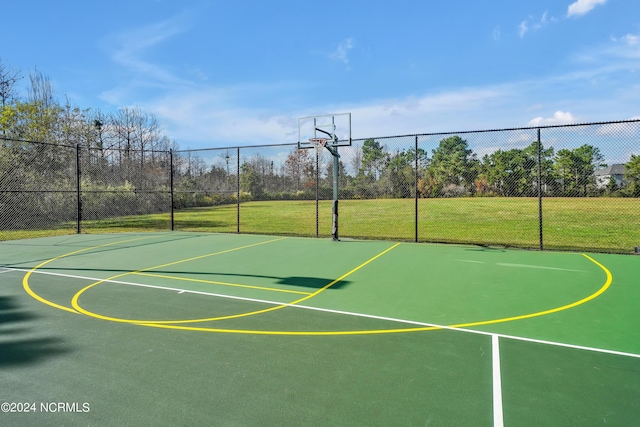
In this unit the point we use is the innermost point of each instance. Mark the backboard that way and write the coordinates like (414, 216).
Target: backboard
(336, 128)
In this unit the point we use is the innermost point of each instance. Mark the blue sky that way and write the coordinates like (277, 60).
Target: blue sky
(220, 73)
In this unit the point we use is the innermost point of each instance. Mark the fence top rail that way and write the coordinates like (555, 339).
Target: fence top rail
(567, 125)
(287, 144)
(127, 150)
(3, 138)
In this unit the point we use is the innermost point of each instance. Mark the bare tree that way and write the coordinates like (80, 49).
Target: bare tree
(8, 80)
(124, 134)
(299, 166)
(146, 132)
(356, 159)
(73, 125)
(42, 112)
(41, 89)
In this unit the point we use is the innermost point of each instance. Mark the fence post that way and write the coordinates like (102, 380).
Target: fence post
(317, 193)
(78, 192)
(171, 187)
(238, 188)
(416, 190)
(540, 190)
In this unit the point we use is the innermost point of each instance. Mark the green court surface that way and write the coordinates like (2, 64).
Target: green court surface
(192, 329)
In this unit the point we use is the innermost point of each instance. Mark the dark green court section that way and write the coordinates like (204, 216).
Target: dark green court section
(545, 386)
(363, 371)
(133, 375)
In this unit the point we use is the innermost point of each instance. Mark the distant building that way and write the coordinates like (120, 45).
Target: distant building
(603, 176)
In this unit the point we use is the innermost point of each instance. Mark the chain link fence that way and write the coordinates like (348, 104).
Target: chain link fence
(124, 189)
(571, 187)
(38, 189)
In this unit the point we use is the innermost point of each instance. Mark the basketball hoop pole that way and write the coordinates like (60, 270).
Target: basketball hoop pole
(336, 164)
(334, 228)
(333, 149)
(322, 131)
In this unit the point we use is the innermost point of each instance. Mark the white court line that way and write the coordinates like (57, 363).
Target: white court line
(164, 288)
(5, 270)
(507, 264)
(498, 420)
(541, 267)
(347, 313)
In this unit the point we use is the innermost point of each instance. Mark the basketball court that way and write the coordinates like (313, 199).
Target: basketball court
(219, 329)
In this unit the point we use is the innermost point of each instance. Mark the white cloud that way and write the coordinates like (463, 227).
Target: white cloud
(342, 51)
(496, 34)
(533, 24)
(210, 116)
(629, 39)
(621, 53)
(582, 7)
(620, 131)
(128, 50)
(522, 28)
(558, 118)
(213, 116)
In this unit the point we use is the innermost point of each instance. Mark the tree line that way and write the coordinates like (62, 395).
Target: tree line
(452, 169)
(124, 155)
(127, 151)
(41, 117)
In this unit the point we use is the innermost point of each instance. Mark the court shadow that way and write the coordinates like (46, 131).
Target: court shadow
(7, 303)
(311, 282)
(18, 346)
(10, 313)
(10, 317)
(28, 351)
(298, 281)
(301, 281)
(483, 248)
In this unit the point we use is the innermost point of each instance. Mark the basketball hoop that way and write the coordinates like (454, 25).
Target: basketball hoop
(319, 143)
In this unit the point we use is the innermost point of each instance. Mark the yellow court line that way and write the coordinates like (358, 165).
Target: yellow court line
(553, 310)
(25, 279)
(74, 301)
(599, 292)
(293, 333)
(32, 293)
(212, 282)
(176, 323)
(344, 276)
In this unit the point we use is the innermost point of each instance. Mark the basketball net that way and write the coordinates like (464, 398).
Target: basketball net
(318, 143)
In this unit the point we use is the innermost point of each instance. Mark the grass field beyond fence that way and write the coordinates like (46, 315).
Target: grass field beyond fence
(568, 223)
(580, 224)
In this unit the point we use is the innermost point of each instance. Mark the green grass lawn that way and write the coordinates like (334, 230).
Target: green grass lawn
(585, 224)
